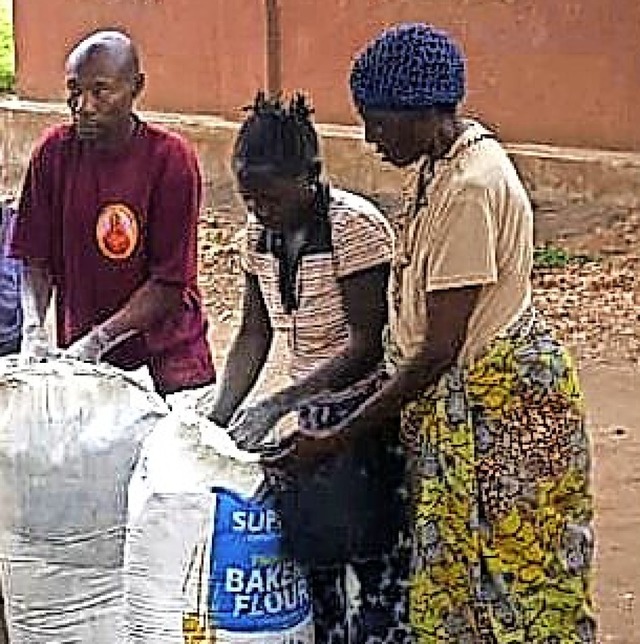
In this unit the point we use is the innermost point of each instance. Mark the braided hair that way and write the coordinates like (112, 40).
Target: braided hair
(281, 134)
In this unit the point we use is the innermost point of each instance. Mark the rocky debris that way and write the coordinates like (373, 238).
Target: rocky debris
(594, 307)
(220, 274)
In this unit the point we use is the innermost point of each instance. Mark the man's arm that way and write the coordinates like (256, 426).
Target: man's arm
(246, 356)
(32, 239)
(35, 297)
(148, 306)
(171, 251)
(36, 293)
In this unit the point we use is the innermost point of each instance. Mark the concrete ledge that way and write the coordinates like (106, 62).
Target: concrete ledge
(571, 188)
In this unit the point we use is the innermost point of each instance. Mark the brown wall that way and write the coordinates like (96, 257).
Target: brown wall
(200, 55)
(572, 190)
(566, 73)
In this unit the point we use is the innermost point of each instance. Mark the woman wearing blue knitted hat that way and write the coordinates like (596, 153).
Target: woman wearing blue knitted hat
(492, 413)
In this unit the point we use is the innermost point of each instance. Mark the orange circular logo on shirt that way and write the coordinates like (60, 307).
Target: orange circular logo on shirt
(117, 231)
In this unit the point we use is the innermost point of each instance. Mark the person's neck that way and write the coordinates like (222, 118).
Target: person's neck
(299, 228)
(119, 138)
(448, 133)
(303, 222)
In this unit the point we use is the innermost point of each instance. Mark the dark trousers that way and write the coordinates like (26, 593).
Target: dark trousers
(379, 612)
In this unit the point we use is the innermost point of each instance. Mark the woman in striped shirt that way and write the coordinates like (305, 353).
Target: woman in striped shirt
(316, 263)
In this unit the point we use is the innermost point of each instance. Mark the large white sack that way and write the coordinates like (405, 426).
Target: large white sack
(203, 556)
(70, 436)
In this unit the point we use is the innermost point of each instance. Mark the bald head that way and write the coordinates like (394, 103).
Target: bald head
(103, 80)
(113, 47)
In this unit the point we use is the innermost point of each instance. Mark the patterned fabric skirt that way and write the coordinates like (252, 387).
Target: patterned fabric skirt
(500, 462)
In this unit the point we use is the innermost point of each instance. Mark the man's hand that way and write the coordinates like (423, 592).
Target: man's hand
(35, 344)
(205, 404)
(89, 348)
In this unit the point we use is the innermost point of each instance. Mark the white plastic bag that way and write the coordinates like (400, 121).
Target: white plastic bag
(203, 556)
(70, 435)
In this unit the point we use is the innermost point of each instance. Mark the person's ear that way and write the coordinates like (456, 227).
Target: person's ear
(316, 169)
(138, 84)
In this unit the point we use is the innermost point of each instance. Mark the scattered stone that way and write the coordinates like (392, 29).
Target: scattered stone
(593, 307)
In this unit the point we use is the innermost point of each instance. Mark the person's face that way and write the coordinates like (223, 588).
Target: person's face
(400, 137)
(279, 202)
(100, 96)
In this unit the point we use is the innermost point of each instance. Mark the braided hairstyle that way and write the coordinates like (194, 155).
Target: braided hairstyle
(280, 134)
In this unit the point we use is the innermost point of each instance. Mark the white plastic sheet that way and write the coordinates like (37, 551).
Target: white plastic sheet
(70, 436)
(125, 522)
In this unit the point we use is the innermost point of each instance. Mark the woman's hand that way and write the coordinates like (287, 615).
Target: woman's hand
(250, 425)
(309, 445)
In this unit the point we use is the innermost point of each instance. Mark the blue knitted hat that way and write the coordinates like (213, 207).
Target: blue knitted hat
(409, 66)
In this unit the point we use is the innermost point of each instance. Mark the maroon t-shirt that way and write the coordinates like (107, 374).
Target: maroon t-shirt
(105, 223)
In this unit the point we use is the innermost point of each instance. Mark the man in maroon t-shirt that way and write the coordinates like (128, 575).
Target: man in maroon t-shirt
(108, 216)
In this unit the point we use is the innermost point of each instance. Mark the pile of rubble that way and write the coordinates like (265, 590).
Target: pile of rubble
(594, 306)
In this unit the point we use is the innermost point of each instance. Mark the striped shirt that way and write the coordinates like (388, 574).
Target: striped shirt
(357, 238)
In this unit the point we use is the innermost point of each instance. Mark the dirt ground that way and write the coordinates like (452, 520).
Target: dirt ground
(596, 310)
(613, 399)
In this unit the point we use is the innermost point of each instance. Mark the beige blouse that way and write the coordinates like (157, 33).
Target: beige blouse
(472, 227)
